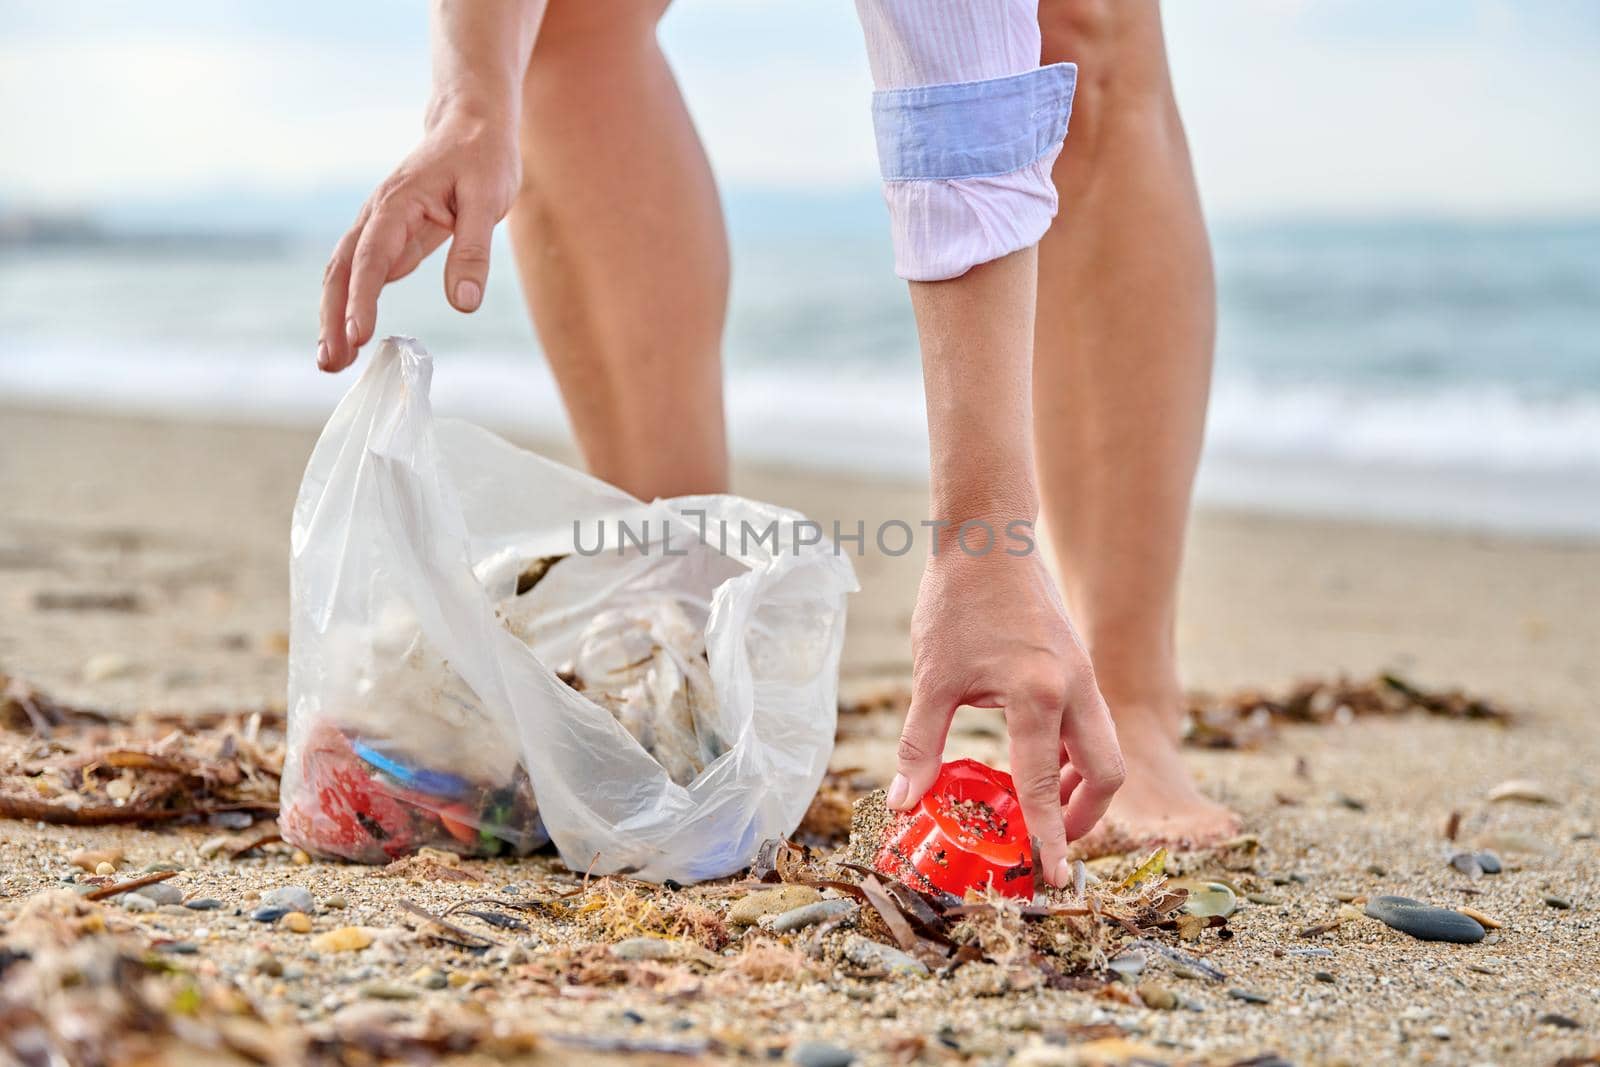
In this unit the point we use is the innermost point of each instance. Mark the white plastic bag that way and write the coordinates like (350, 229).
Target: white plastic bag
(421, 683)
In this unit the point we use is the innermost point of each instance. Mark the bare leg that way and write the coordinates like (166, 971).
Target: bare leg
(620, 244)
(1122, 368)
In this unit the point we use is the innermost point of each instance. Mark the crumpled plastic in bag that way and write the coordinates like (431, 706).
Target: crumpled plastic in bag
(658, 709)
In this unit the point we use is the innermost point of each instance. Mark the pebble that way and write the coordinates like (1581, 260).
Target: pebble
(750, 909)
(291, 897)
(334, 903)
(1561, 903)
(269, 914)
(1265, 899)
(1423, 921)
(105, 868)
(1467, 864)
(213, 845)
(509, 955)
(820, 1054)
(429, 978)
(298, 921)
(1312, 950)
(1128, 965)
(1158, 997)
(90, 858)
(1249, 996)
(1324, 976)
(136, 902)
(1561, 1022)
(344, 939)
(264, 962)
(1206, 898)
(301, 858)
(181, 948)
(155, 866)
(1524, 790)
(810, 914)
(231, 820)
(1489, 862)
(387, 991)
(161, 893)
(864, 953)
(120, 788)
(203, 904)
(644, 948)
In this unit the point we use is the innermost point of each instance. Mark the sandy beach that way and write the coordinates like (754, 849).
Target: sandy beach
(143, 567)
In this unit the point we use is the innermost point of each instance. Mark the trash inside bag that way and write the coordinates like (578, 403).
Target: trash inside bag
(490, 651)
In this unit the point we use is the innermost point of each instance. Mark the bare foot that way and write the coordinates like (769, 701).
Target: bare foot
(1159, 803)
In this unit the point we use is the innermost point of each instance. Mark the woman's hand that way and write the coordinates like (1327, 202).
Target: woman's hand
(989, 631)
(458, 183)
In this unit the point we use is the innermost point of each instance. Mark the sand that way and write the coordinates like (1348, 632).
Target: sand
(185, 524)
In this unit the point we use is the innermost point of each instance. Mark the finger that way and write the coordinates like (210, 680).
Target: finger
(382, 241)
(1034, 727)
(921, 747)
(1091, 740)
(466, 269)
(422, 244)
(333, 350)
(1070, 780)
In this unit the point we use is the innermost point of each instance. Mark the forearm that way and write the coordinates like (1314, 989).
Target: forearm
(977, 366)
(480, 53)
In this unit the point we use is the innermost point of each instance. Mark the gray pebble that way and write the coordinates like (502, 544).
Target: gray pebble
(1560, 903)
(290, 898)
(1324, 976)
(136, 902)
(203, 904)
(1560, 1022)
(645, 948)
(1423, 921)
(810, 914)
(820, 1054)
(1128, 965)
(161, 893)
(1249, 996)
(263, 962)
(231, 820)
(1489, 862)
(181, 948)
(1467, 864)
(387, 991)
(864, 953)
(269, 914)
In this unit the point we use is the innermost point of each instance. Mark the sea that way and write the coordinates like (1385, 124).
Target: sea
(1427, 371)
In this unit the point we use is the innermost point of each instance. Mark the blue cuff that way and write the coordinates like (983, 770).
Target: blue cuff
(978, 129)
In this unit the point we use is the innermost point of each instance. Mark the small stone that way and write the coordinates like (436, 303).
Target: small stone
(1488, 922)
(105, 869)
(231, 820)
(334, 903)
(180, 948)
(161, 893)
(1560, 1022)
(1128, 965)
(1467, 864)
(456, 979)
(120, 788)
(156, 866)
(269, 914)
(136, 902)
(1440, 1033)
(1324, 976)
(646, 948)
(1158, 997)
(1249, 996)
(91, 858)
(428, 978)
(809, 915)
(750, 909)
(344, 939)
(387, 991)
(871, 954)
(203, 904)
(510, 955)
(1560, 903)
(1489, 863)
(301, 858)
(292, 897)
(213, 845)
(1206, 898)
(1423, 921)
(264, 962)
(1264, 899)
(1522, 790)
(820, 1054)
(105, 666)
(298, 921)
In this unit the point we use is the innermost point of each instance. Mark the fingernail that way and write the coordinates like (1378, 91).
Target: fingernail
(468, 293)
(322, 354)
(898, 790)
(1063, 876)
(351, 330)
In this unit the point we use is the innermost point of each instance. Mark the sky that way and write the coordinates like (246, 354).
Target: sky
(1327, 107)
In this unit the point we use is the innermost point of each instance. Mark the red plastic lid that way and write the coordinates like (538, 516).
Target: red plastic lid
(965, 833)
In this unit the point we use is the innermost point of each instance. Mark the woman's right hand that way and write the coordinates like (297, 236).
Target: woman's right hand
(458, 183)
